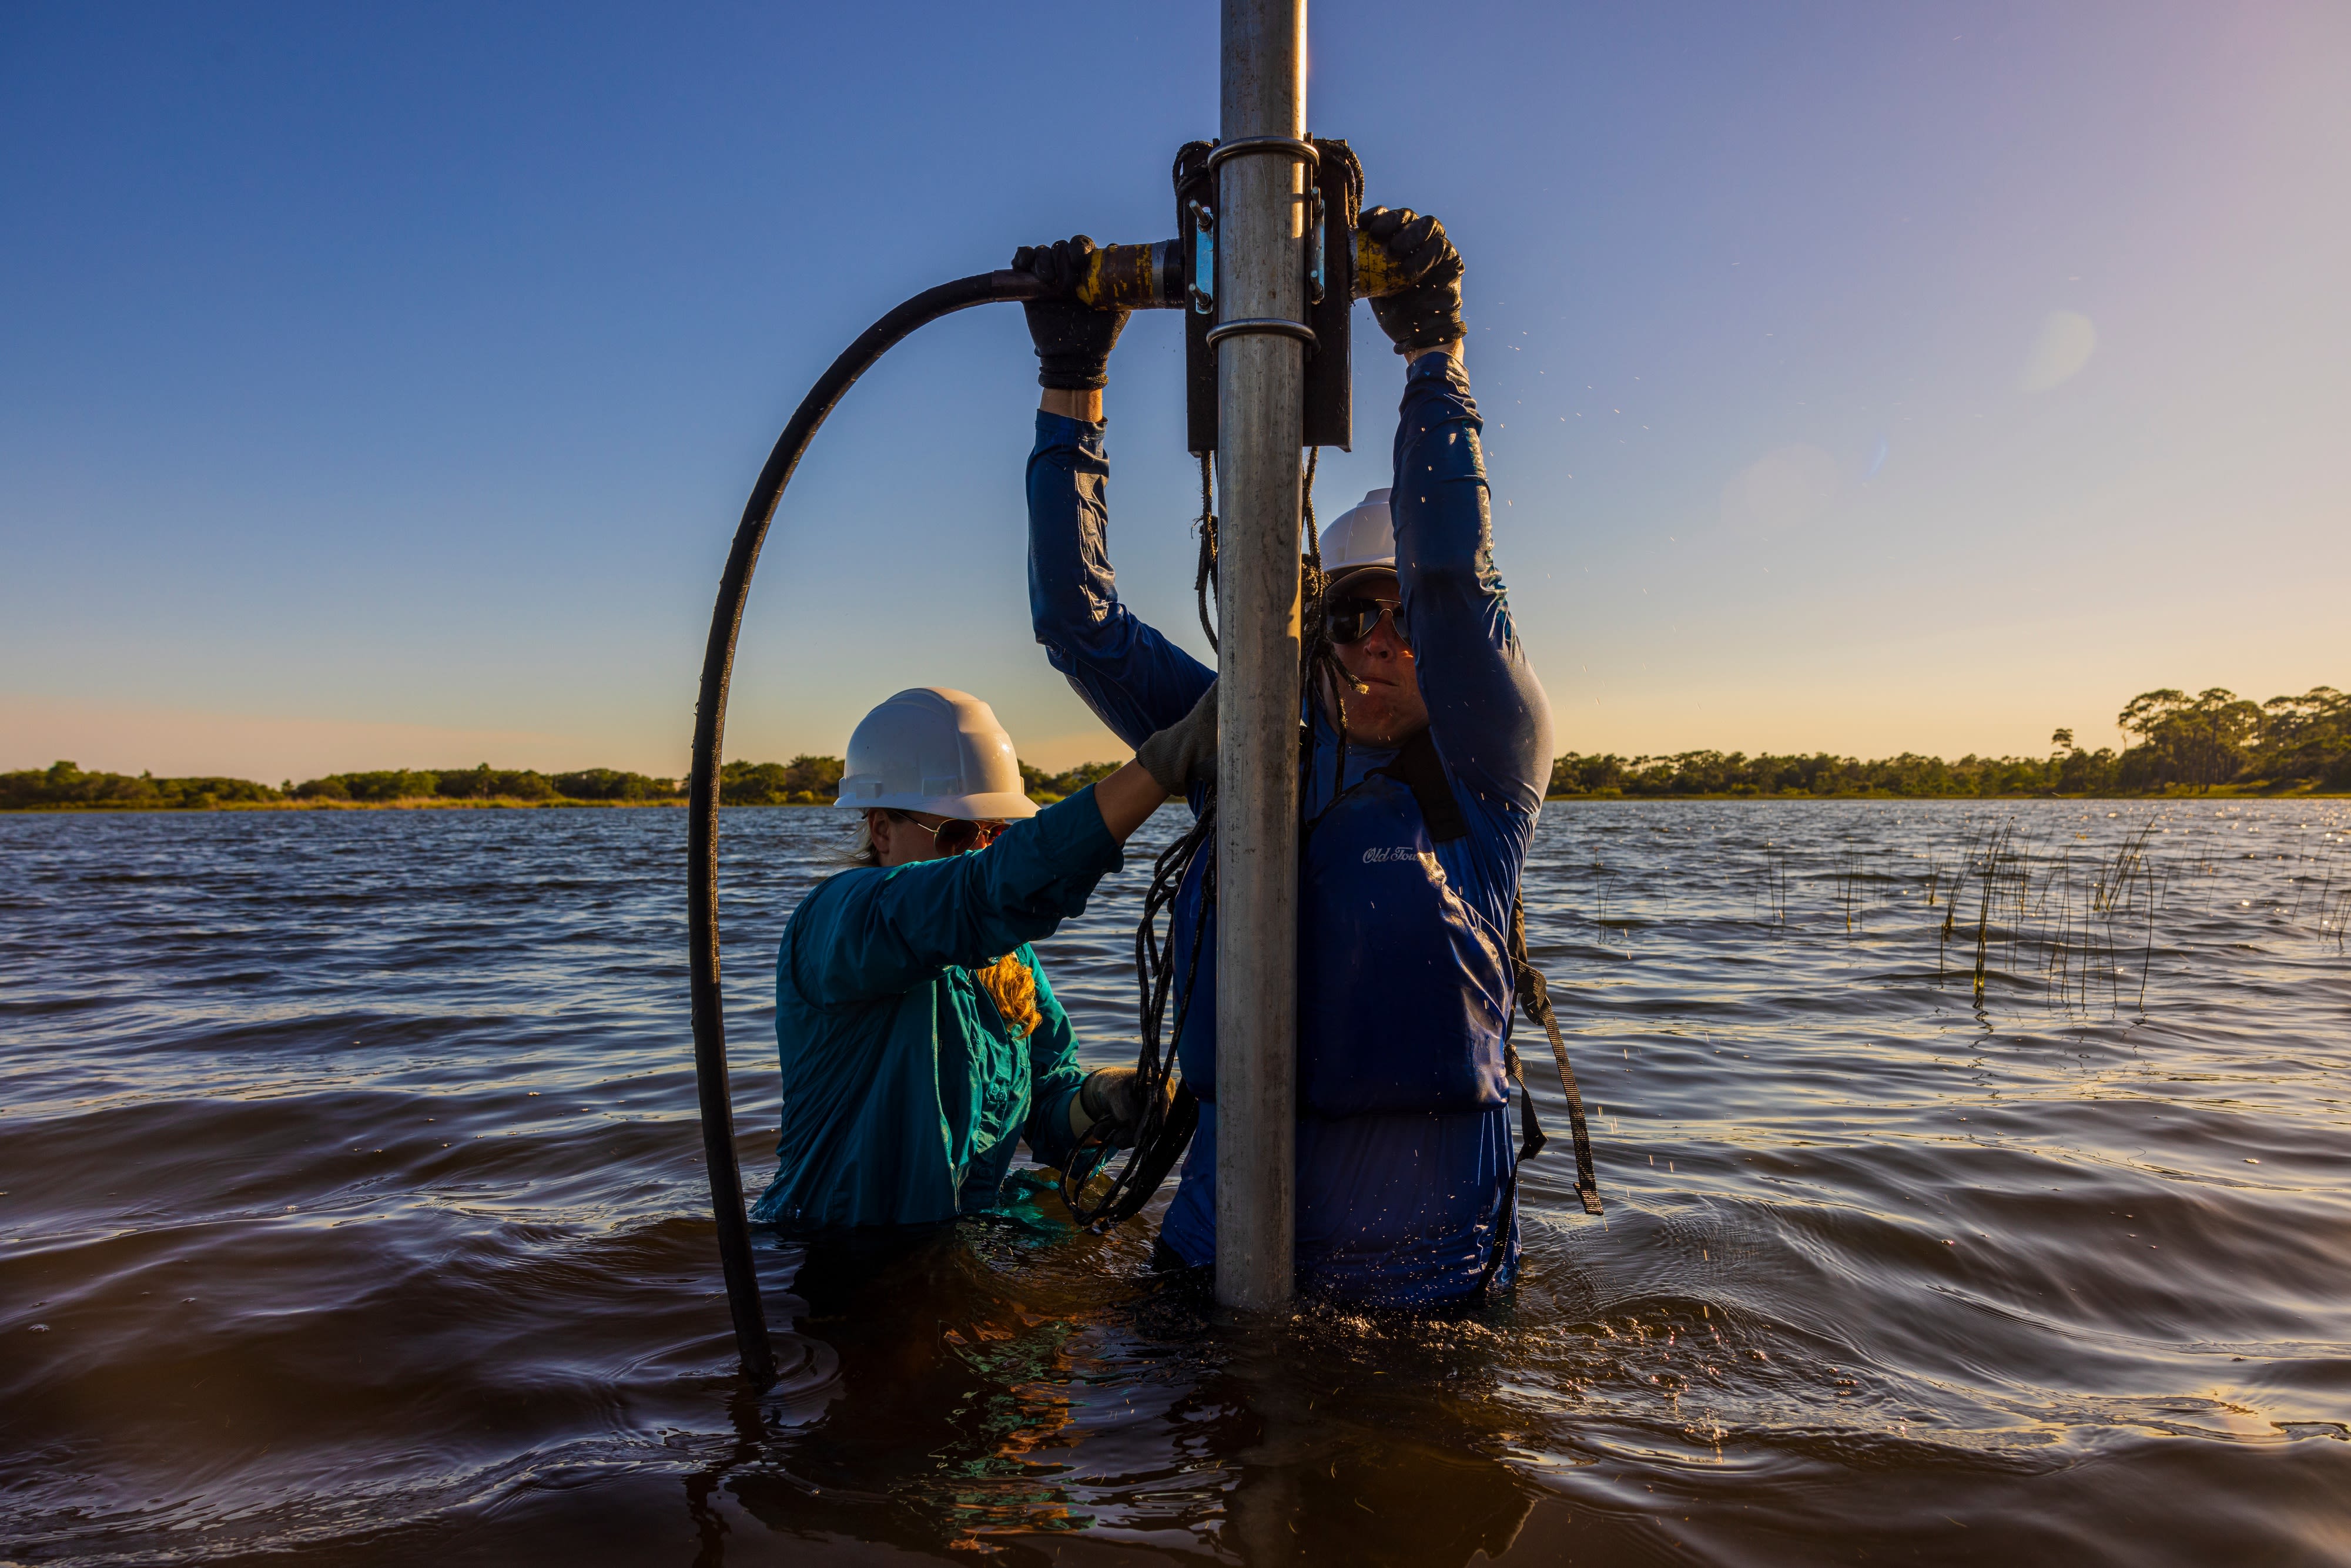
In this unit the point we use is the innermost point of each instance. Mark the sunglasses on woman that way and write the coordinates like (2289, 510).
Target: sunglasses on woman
(1353, 619)
(956, 836)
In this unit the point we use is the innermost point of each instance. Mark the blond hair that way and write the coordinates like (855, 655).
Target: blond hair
(1013, 986)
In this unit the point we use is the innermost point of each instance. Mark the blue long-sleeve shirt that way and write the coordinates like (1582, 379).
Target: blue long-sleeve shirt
(904, 1094)
(1390, 1206)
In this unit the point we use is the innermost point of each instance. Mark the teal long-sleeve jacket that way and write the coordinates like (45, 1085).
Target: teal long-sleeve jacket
(904, 1094)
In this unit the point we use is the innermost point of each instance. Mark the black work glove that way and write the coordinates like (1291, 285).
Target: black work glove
(1427, 312)
(1073, 341)
(1113, 1097)
(1185, 753)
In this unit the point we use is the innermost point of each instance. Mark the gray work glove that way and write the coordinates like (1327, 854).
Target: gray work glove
(1185, 753)
(1113, 1095)
(1427, 313)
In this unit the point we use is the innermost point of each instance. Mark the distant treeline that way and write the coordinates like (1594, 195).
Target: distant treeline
(1058, 785)
(803, 782)
(816, 780)
(482, 783)
(2215, 738)
(63, 784)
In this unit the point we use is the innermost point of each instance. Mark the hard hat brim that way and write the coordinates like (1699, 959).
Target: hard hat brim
(1352, 576)
(999, 806)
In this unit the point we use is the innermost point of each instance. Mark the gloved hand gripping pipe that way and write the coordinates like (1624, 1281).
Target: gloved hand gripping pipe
(1138, 276)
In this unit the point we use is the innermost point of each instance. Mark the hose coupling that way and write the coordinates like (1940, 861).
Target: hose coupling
(1134, 276)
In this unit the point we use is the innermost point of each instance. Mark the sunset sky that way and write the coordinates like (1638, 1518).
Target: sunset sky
(381, 386)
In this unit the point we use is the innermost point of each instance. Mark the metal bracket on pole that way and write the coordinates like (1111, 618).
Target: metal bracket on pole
(1314, 248)
(1296, 146)
(1200, 231)
(1334, 199)
(1272, 324)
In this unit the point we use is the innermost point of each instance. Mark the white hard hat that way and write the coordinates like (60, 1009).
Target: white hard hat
(1361, 537)
(933, 749)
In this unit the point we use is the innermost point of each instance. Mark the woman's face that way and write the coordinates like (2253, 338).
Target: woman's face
(1392, 708)
(901, 838)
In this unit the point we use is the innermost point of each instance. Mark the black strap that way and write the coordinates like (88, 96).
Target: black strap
(1506, 1220)
(1534, 995)
(1419, 769)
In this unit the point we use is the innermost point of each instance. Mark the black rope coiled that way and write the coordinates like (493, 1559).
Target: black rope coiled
(1170, 1114)
(1204, 581)
(1326, 679)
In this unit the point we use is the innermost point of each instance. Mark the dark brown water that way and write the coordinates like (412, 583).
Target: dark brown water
(351, 1211)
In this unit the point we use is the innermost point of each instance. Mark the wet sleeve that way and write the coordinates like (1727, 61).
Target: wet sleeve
(1486, 712)
(1136, 681)
(871, 934)
(1053, 1074)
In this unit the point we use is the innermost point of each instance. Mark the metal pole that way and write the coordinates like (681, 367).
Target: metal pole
(1260, 381)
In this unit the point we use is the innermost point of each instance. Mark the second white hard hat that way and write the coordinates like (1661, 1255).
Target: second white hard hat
(935, 750)
(1361, 536)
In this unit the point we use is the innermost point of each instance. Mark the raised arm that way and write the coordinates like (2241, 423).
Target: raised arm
(876, 933)
(1486, 712)
(879, 932)
(1135, 680)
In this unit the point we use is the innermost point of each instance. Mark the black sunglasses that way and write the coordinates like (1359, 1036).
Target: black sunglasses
(1353, 619)
(956, 836)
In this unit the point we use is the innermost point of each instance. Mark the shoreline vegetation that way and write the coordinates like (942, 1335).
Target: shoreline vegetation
(803, 782)
(2213, 744)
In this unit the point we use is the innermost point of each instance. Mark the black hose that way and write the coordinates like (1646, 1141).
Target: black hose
(709, 730)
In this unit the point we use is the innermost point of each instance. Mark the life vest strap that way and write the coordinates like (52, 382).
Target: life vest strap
(1534, 995)
(1419, 769)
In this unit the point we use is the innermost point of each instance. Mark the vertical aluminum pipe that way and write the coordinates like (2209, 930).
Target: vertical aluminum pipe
(1261, 214)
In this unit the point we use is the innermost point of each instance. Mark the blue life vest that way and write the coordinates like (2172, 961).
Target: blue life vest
(1382, 1027)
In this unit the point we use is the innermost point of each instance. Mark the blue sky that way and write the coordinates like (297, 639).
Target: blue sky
(382, 387)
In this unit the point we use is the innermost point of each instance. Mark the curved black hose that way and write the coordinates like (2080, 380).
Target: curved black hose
(710, 728)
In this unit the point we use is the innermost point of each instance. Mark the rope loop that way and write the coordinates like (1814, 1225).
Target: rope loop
(1204, 581)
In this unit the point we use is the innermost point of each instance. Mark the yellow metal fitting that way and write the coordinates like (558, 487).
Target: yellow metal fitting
(1375, 273)
(1124, 274)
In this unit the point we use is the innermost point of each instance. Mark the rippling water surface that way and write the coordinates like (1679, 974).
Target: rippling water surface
(1977, 1183)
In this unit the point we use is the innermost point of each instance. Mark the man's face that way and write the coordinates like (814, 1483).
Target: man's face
(1392, 708)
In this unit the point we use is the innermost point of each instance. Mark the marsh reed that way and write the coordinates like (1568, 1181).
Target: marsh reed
(2069, 908)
